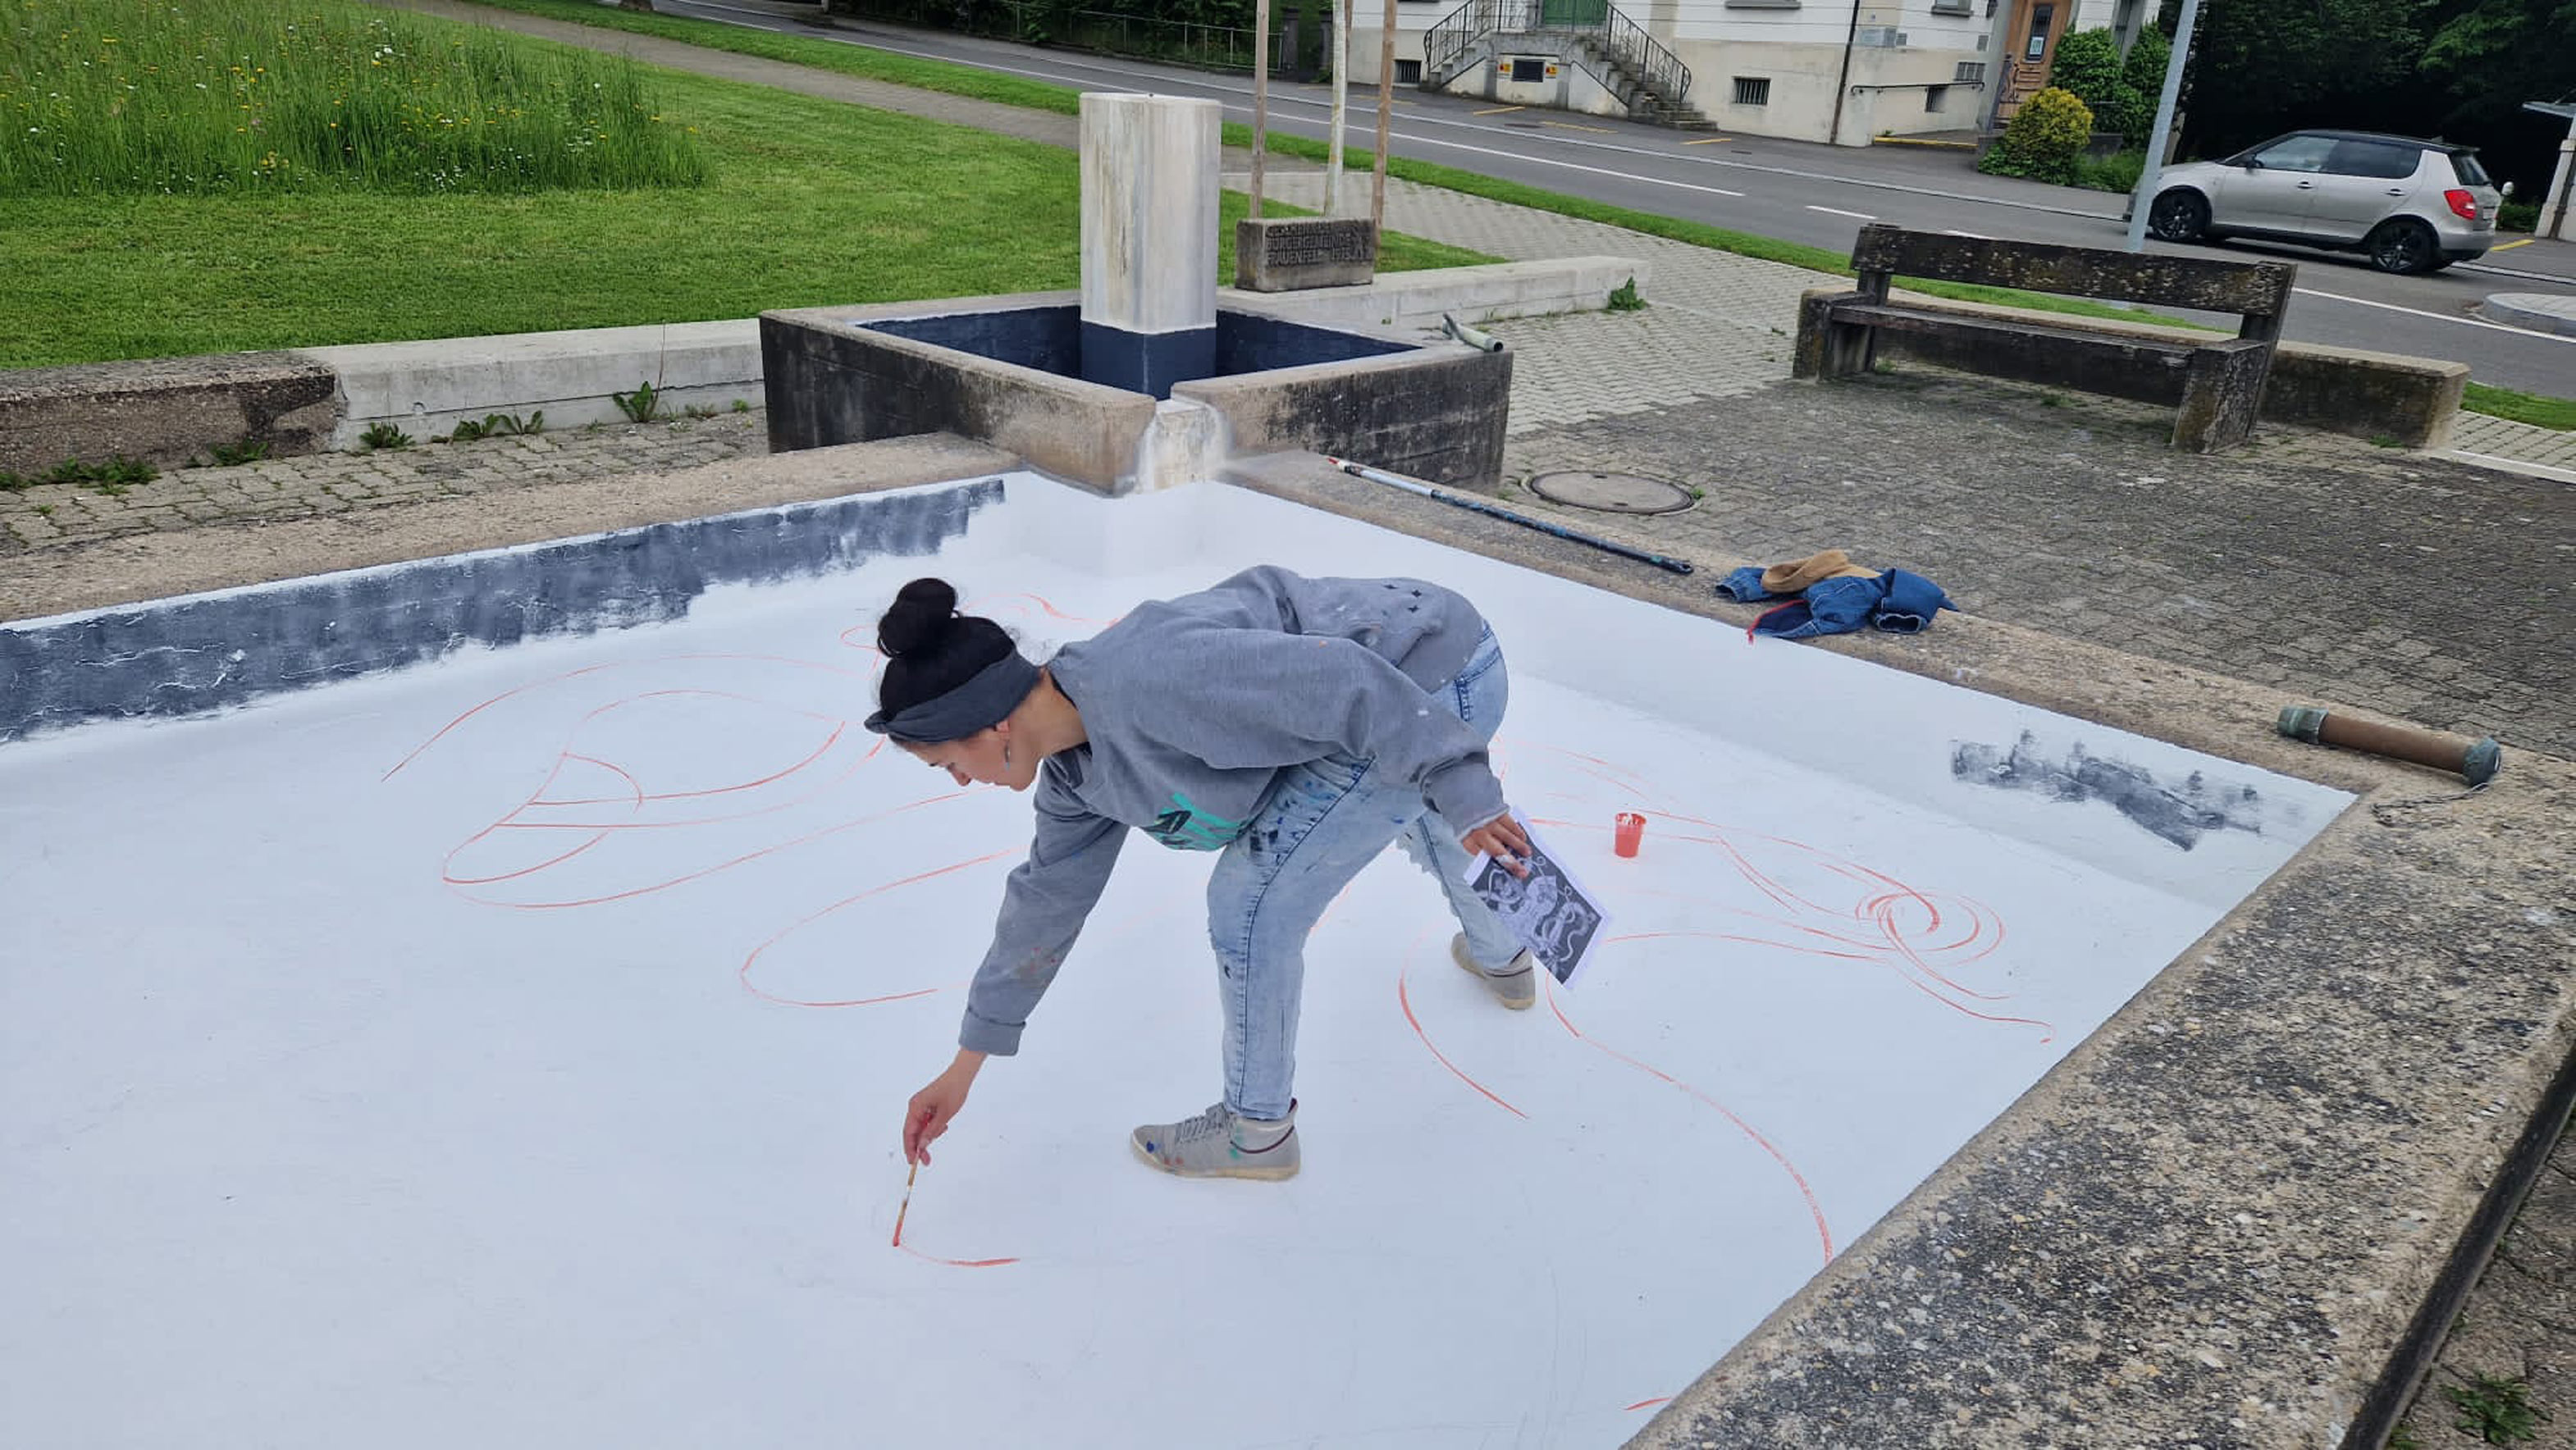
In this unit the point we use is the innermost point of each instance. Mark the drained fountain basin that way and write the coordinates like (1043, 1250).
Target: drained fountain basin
(1011, 371)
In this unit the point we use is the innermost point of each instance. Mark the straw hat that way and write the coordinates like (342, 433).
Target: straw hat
(1794, 577)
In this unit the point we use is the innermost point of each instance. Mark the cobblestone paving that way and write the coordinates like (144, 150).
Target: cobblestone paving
(2521, 442)
(2520, 1323)
(1715, 325)
(323, 483)
(2426, 589)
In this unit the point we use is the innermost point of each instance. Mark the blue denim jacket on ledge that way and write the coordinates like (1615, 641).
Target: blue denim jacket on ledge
(1896, 601)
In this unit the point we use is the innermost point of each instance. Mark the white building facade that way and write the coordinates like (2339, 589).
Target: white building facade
(1846, 71)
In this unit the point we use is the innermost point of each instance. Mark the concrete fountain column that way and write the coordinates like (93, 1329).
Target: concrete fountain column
(1149, 208)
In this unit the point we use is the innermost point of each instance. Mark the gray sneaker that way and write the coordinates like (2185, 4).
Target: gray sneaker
(1515, 986)
(1212, 1145)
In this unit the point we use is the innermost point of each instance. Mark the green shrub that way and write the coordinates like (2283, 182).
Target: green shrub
(283, 96)
(2088, 63)
(2518, 216)
(2045, 140)
(2145, 68)
(2111, 173)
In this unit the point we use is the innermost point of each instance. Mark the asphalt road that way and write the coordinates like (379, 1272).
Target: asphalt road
(1799, 191)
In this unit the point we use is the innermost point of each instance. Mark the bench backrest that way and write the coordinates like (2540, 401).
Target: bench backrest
(2249, 289)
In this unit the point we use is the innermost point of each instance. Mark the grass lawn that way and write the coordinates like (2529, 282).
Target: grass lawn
(2532, 408)
(830, 55)
(965, 80)
(809, 204)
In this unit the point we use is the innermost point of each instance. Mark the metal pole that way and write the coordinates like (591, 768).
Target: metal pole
(2145, 199)
(2557, 206)
(1842, 83)
(1341, 105)
(1260, 95)
(1385, 112)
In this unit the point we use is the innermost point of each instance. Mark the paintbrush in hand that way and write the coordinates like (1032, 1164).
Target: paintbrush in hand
(907, 1202)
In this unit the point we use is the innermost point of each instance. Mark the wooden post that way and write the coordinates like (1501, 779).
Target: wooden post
(1260, 95)
(1385, 117)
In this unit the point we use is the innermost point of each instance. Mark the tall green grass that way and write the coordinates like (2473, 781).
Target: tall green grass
(211, 97)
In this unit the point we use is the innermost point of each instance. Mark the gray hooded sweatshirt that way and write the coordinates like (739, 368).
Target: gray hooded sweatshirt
(1192, 707)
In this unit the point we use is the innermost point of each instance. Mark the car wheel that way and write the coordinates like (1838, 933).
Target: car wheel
(2179, 216)
(2404, 247)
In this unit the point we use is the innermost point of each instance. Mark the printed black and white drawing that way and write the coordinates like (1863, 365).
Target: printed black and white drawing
(1548, 911)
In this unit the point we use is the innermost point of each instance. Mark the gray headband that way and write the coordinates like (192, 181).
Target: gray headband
(979, 704)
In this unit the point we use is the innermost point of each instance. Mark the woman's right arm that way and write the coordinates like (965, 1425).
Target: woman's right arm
(1043, 908)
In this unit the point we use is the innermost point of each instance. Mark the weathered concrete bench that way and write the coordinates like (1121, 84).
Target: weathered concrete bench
(2216, 385)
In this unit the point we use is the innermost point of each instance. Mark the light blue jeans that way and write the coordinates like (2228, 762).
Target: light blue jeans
(1319, 825)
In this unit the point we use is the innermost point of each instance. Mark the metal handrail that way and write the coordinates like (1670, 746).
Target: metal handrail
(1641, 55)
(1643, 58)
(1448, 41)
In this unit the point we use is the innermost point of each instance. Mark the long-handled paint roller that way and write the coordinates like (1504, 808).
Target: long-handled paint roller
(1413, 485)
(2475, 761)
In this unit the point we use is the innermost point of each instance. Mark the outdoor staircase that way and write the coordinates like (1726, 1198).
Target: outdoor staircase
(1646, 77)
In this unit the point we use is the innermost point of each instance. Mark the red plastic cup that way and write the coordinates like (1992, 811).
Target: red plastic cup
(1631, 831)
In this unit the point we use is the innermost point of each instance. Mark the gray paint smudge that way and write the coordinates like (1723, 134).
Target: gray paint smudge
(209, 652)
(2180, 811)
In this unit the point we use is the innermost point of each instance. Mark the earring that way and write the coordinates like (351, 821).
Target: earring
(1006, 752)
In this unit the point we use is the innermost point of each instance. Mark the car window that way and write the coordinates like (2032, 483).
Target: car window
(2296, 153)
(2377, 159)
(2471, 173)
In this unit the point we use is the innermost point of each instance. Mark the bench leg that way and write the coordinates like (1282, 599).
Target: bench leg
(2222, 389)
(1826, 348)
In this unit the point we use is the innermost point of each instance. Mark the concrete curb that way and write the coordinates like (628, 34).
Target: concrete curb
(167, 410)
(427, 388)
(2539, 311)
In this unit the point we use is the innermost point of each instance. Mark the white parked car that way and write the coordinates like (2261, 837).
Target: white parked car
(2413, 206)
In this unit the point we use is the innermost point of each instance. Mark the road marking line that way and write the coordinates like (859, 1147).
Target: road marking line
(1838, 211)
(2509, 246)
(2436, 316)
(1711, 141)
(1972, 236)
(1498, 111)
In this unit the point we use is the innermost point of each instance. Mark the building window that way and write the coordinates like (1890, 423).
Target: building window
(1752, 90)
(1408, 72)
(1529, 68)
(1969, 72)
(1933, 96)
(1950, 7)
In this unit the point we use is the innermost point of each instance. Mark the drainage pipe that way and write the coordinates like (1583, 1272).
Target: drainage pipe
(2475, 761)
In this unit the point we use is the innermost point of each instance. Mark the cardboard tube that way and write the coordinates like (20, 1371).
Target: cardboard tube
(2475, 761)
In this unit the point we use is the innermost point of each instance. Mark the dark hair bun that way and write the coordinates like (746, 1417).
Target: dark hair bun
(921, 615)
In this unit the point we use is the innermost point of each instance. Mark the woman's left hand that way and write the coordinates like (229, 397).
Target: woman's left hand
(1501, 838)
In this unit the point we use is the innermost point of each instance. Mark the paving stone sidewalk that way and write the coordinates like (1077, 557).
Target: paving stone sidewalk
(51, 515)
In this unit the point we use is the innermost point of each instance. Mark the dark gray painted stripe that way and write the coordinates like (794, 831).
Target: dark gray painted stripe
(1146, 362)
(204, 652)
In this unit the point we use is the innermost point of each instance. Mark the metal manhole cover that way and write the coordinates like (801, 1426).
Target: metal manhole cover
(1616, 493)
